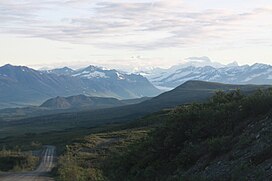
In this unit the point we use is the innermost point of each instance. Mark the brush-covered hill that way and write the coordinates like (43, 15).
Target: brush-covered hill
(69, 104)
(196, 91)
(226, 138)
(81, 102)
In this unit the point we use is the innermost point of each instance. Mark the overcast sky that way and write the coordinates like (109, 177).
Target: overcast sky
(134, 33)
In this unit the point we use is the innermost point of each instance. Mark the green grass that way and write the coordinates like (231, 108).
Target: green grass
(83, 160)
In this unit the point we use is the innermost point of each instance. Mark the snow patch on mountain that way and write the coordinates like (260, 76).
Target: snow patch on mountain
(120, 76)
(95, 74)
(91, 75)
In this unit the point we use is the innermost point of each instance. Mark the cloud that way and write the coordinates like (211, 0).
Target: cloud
(201, 59)
(142, 24)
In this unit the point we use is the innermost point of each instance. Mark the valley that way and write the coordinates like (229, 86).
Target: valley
(189, 92)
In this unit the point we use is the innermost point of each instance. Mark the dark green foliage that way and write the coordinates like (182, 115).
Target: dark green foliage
(193, 131)
(262, 156)
(69, 169)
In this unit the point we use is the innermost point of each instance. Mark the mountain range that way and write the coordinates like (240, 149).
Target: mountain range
(229, 74)
(21, 86)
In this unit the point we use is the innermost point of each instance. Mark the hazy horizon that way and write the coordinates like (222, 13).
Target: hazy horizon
(195, 61)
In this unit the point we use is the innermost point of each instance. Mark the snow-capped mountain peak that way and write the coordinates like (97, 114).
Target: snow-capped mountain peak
(90, 74)
(93, 72)
(232, 73)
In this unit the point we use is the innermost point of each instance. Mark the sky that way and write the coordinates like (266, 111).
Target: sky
(134, 34)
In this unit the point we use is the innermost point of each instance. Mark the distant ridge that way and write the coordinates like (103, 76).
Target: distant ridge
(69, 104)
(196, 91)
(81, 101)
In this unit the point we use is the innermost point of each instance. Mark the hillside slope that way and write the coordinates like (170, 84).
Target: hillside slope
(228, 138)
(225, 138)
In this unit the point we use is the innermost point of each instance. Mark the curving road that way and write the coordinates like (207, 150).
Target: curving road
(46, 165)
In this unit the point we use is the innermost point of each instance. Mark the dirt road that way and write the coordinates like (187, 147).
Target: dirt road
(40, 173)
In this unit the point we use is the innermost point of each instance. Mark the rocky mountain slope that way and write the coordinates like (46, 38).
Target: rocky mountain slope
(23, 86)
